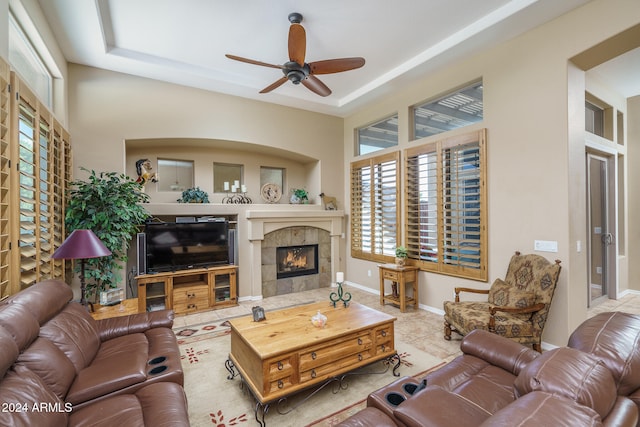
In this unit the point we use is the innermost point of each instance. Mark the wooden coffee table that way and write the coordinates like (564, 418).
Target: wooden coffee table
(285, 353)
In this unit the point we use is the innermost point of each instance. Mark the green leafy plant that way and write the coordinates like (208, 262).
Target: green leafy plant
(109, 204)
(194, 195)
(300, 194)
(401, 252)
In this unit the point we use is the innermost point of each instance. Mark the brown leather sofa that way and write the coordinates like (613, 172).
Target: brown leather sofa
(61, 367)
(595, 381)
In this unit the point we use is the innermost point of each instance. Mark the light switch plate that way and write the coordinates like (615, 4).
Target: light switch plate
(545, 245)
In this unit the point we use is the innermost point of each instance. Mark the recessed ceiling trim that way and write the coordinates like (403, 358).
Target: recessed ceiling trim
(450, 42)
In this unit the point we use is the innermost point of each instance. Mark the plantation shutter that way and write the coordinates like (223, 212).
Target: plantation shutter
(41, 175)
(446, 206)
(422, 206)
(461, 208)
(374, 205)
(5, 178)
(28, 240)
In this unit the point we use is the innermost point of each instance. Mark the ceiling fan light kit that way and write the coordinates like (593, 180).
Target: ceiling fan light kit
(296, 70)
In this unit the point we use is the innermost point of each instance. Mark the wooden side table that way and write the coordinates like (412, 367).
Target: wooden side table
(400, 278)
(127, 307)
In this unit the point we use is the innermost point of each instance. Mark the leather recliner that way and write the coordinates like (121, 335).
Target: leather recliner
(86, 372)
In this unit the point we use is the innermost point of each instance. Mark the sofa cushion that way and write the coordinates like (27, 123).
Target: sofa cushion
(8, 351)
(50, 364)
(33, 403)
(73, 331)
(107, 372)
(158, 405)
(43, 299)
(573, 374)
(505, 295)
(20, 323)
(540, 409)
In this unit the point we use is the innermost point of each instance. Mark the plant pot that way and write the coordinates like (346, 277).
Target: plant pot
(400, 262)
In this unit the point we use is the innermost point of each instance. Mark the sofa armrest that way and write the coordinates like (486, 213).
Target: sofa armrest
(497, 350)
(624, 414)
(134, 323)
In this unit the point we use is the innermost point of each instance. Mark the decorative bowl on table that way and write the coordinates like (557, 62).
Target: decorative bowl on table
(319, 320)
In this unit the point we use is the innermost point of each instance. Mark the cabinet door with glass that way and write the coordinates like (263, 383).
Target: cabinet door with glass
(223, 286)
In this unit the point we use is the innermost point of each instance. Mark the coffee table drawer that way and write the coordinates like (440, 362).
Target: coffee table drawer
(280, 367)
(335, 350)
(280, 384)
(328, 369)
(384, 339)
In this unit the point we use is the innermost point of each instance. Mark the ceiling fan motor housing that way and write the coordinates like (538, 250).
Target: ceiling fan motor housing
(295, 73)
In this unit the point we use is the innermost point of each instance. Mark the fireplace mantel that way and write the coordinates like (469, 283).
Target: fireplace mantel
(261, 222)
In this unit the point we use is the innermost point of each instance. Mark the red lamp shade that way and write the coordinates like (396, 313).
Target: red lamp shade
(81, 244)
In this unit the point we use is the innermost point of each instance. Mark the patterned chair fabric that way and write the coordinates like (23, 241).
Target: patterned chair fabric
(516, 307)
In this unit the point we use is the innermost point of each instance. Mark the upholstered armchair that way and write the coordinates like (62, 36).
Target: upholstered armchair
(516, 307)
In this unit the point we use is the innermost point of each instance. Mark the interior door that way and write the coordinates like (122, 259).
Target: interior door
(601, 223)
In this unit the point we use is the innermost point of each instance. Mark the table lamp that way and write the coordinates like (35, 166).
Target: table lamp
(81, 244)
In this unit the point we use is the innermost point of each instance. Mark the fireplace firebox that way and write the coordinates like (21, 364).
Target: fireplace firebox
(293, 261)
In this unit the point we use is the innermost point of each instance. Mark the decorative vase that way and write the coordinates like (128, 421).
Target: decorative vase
(400, 261)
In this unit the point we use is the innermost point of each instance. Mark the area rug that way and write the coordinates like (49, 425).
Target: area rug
(217, 401)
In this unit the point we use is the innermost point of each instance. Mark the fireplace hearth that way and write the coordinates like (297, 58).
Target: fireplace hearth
(294, 261)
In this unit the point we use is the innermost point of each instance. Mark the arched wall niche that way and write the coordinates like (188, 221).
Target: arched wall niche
(300, 170)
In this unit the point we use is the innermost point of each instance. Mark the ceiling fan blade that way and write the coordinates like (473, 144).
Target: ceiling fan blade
(251, 61)
(330, 66)
(315, 85)
(274, 85)
(297, 43)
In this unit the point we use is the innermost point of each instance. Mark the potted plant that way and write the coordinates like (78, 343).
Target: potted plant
(194, 195)
(401, 255)
(299, 196)
(109, 204)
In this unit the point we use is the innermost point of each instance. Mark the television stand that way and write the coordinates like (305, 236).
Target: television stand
(188, 291)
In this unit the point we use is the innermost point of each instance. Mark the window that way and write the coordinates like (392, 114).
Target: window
(378, 136)
(175, 175)
(446, 206)
(25, 59)
(454, 110)
(375, 214)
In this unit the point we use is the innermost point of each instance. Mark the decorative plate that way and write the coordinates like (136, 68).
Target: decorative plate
(271, 193)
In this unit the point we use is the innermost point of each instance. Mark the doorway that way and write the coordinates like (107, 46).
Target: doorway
(601, 222)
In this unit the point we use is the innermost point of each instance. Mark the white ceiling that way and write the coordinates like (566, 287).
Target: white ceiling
(185, 41)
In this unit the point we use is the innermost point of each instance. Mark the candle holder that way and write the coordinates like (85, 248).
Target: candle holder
(335, 297)
(237, 198)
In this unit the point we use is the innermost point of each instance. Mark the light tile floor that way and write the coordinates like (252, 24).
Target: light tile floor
(421, 328)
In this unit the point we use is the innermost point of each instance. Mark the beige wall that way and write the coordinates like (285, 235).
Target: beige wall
(108, 108)
(534, 113)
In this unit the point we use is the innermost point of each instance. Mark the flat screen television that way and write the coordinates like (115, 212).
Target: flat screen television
(172, 246)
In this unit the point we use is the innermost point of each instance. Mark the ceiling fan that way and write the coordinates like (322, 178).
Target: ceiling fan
(296, 70)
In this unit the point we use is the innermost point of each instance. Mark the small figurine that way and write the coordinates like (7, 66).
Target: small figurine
(330, 203)
(145, 172)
